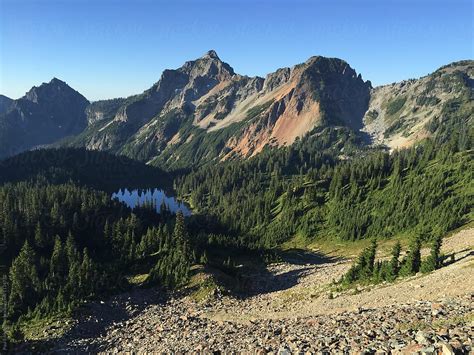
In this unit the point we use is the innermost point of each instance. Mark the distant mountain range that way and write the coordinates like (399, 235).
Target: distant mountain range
(205, 112)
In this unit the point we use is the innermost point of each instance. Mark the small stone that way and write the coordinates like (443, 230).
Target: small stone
(422, 338)
(446, 348)
(412, 348)
(430, 350)
(456, 344)
(284, 351)
(443, 332)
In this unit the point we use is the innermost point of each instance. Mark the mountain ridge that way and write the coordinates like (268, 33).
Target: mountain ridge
(207, 96)
(204, 111)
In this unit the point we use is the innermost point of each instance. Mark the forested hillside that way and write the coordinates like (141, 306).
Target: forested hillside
(66, 244)
(315, 189)
(99, 170)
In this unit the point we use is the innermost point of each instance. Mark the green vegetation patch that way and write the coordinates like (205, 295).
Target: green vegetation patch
(371, 116)
(259, 109)
(395, 105)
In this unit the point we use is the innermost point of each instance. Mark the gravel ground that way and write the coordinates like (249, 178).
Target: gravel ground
(290, 310)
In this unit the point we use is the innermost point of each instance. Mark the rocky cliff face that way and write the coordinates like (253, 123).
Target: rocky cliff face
(44, 115)
(205, 100)
(321, 91)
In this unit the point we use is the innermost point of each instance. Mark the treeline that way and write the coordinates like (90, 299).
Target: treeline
(367, 270)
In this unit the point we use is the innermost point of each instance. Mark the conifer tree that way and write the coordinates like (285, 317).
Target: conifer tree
(179, 228)
(74, 266)
(57, 266)
(367, 261)
(412, 262)
(394, 262)
(24, 280)
(86, 274)
(180, 235)
(40, 241)
(204, 259)
(432, 262)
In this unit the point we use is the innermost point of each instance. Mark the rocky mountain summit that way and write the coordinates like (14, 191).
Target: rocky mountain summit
(401, 114)
(206, 98)
(44, 115)
(204, 111)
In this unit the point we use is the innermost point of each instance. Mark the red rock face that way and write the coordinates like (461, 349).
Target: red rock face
(205, 108)
(207, 93)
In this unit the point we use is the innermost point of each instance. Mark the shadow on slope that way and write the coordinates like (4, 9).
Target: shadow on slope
(296, 263)
(92, 321)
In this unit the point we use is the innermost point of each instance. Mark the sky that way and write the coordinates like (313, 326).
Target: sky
(111, 48)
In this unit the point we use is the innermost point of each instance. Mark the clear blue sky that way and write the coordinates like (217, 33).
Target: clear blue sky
(107, 49)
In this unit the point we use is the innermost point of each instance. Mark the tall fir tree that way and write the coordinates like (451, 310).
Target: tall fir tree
(432, 261)
(412, 262)
(24, 281)
(394, 264)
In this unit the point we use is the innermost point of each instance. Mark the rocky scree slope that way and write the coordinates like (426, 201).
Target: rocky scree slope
(427, 314)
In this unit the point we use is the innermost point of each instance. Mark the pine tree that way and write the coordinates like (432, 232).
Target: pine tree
(180, 235)
(40, 241)
(432, 262)
(24, 280)
(412, 262)
(57, 266)
(394, 264)
(86, 274)
(74, 266)
(179, 228)
(204, 258)
(367, 261)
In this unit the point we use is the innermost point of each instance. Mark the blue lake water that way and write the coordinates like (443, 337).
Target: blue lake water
(140, 197)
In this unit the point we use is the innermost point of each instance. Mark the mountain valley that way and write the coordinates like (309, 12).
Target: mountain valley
(320, 214)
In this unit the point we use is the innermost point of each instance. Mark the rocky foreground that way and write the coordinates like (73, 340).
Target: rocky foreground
(445, 326)
(292, 309)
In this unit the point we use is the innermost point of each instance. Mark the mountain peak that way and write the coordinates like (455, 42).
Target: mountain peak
(57, 81)
(212, 54)
(54, 88)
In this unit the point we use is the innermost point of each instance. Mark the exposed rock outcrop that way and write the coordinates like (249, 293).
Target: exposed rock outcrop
(206, 97)
(204, 111)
